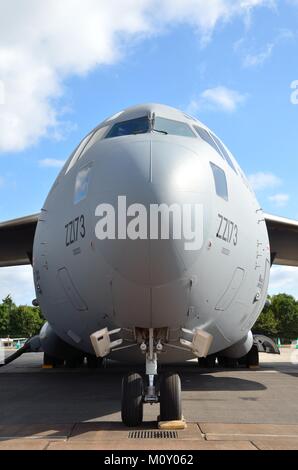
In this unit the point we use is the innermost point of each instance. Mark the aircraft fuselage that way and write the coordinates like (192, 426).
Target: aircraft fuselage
(101, 261)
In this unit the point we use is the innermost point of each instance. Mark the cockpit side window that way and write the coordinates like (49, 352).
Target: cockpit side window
(98, 135)
(220, 179)
(133, 126)
(204, 134)
(78, 152)
(223, 151)
(215, 143)
(169, 126)
(86, 144)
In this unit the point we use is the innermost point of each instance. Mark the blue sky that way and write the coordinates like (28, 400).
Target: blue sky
(229, 63)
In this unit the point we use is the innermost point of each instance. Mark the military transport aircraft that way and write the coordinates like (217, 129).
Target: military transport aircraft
(151, 246)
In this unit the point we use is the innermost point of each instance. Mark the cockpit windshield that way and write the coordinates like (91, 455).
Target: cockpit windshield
(169, 126)
(133, 126)
(152, 123)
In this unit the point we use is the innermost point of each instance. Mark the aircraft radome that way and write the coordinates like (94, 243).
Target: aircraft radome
(150, 248)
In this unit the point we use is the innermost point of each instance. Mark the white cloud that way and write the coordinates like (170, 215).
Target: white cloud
(252, 60)
(43, 43)
(223, 98)
(51, 163)
(284, 279)
(261, 181)
(2, 93)
(18, 282)
(279, 200)
(220, 98)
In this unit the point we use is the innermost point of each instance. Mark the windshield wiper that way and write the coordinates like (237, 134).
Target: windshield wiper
(152, 118)
(161, 132)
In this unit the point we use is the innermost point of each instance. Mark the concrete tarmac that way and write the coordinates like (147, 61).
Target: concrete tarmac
(80, 408)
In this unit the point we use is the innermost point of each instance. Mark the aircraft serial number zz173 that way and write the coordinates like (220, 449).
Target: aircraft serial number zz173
(75, 229)
(227, 230)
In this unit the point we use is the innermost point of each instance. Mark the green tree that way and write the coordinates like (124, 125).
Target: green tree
(267, 324)
(25, 321)
(6, 308)
(4, 321)
(285, 311)
(279, 318)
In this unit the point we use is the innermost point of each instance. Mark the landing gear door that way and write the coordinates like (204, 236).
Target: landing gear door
(170, 303)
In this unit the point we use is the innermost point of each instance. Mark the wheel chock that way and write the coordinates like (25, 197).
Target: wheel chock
(172, 425)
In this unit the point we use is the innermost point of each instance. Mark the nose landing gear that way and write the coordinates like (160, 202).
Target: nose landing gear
(135, 394)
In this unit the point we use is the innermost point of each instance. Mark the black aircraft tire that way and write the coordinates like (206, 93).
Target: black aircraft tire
(93, 362)
(170, 398)
(132, 400)
(222, 361)
(227, 362)
(252, 359)
(208, 362)
(75, 362)
(52, 361)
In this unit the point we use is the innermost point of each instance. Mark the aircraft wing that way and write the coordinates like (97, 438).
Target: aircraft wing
(283, 235)
(16, 241)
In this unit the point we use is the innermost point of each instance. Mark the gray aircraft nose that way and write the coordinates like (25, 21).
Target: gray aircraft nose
(134, 177)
